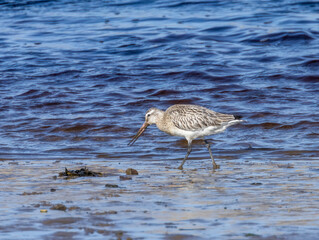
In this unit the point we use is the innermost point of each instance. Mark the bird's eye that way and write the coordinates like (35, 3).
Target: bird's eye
(148, 115)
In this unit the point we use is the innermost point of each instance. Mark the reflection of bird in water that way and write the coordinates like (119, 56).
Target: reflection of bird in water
(189, 121)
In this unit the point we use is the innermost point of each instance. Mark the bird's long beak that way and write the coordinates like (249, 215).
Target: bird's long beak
(139, 133)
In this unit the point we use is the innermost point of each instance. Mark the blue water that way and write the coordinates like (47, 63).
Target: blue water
(77, 76)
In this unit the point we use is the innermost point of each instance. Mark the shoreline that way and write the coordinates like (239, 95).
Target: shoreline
(240, 200)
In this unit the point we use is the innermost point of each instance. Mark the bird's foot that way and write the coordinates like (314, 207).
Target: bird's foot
(180, 167)
(215, 166)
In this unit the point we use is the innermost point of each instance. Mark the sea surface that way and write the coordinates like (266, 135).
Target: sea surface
(76, 78)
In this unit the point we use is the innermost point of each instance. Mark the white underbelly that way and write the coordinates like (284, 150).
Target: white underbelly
(200, 133)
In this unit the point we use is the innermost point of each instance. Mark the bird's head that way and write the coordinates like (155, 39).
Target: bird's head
(151, 117)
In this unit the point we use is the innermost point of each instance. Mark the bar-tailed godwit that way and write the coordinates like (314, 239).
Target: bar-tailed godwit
(189, 121)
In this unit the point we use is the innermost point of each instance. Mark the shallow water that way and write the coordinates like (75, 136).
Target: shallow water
(76, 78)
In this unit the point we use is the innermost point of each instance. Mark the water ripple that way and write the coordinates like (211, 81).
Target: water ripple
(75, 74)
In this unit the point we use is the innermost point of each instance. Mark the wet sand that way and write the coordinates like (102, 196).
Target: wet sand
(246, 199)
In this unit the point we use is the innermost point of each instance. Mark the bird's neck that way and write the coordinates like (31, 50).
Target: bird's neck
(160, 121)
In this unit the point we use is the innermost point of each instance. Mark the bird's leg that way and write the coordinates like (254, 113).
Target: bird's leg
(215, 166)
(189, 149)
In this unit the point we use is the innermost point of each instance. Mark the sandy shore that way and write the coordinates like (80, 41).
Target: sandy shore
(242, 200)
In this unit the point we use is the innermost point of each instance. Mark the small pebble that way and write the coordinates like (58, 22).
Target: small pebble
(131, 171)
(123, 178)
(256, 183)
(111, 185)
(59, 206)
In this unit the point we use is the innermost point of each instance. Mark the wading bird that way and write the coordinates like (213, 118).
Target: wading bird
(189, 121)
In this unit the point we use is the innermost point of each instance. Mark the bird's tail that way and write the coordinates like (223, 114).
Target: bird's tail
(237, 117)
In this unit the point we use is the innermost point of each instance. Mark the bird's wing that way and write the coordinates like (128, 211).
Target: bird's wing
(192, 118)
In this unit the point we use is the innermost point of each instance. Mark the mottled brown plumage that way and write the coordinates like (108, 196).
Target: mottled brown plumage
(193, 117)
(189, 121)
